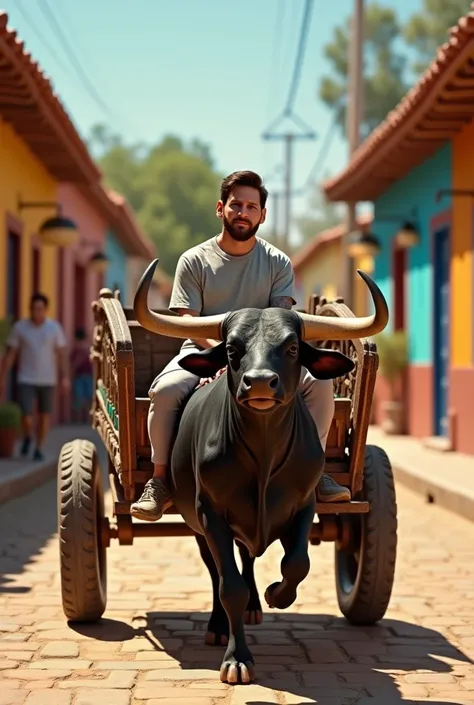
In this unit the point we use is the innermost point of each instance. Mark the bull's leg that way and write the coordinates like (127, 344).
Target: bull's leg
(295, 562)
(253, 613)
(218, 626)
(238, 663)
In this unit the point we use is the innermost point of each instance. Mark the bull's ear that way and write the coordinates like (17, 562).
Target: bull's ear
(325, 364)
(205, 363)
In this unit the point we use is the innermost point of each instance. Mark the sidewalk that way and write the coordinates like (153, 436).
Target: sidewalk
(18, 477)
(446, 479)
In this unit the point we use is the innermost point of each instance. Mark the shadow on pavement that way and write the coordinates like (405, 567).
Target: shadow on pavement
(320, 657)
(28, 522)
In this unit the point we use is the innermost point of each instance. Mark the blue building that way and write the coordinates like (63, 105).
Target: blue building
(416, 166)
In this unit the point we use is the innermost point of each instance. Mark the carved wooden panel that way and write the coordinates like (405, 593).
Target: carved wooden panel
(358, 386)
(114, 399)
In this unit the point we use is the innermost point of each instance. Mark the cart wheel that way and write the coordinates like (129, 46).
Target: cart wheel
(365, 570)
(81, 510)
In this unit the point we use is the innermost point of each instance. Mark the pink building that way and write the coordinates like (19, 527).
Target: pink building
(98, 217)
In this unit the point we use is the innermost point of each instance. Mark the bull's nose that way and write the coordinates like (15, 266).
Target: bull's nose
(261, 383)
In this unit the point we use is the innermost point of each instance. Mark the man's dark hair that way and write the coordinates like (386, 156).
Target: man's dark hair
(80, 334)
(39, 297)
(243, 178)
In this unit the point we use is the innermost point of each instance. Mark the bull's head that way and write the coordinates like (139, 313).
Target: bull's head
(263, 349)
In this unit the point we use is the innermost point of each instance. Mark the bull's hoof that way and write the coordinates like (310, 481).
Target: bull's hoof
(216, 639)
(234, 671)
(280, 595)
(253, 616)
(253, 613)
(217, 629)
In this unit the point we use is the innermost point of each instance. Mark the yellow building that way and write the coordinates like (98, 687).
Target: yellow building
(47, 174)
(39, 148)
(23, 176)
(46, 171)
(318, 266)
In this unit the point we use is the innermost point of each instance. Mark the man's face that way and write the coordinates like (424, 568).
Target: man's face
(38, 312)
(242, 215)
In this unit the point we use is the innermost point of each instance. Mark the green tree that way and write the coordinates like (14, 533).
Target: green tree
(386, 56)
(384, 68)
(172, 187)
(428, 29)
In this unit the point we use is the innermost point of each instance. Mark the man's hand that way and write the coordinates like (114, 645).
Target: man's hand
(207, 380)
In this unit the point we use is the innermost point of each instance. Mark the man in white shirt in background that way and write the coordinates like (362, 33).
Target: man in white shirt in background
(39, 345)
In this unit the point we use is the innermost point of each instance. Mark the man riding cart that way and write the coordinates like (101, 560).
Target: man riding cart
(233, 270)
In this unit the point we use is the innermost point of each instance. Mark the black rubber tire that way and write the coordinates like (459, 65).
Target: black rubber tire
(364, 586)
(82, 557)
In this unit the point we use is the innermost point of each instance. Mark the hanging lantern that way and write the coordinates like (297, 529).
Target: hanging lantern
(408, 236)
(360, 244)
(59, 231)
(99, 262)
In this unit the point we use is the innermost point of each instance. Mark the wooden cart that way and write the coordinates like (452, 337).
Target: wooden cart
(126, 358)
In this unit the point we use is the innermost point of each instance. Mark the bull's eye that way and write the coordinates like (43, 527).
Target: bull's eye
(293, 350)
(232, 352)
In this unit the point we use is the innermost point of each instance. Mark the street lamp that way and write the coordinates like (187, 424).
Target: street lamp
(362, 244)
(99, 262)
(58, 230)
(407, 235)
(63, 232)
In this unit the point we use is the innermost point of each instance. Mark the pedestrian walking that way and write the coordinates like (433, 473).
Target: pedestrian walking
(38, 345)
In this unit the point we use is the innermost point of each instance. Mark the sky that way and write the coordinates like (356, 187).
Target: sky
(216, 70)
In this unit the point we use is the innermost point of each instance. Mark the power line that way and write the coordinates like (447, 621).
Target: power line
(304, 132)
(274, 69)
(38, 34)
(322, 154)
(299, 57)
(274, 74)
(74, 61)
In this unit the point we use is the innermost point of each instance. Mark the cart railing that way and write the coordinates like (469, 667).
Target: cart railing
(358, 385)
(113, 406)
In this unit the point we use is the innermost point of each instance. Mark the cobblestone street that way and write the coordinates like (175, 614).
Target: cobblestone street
(149, 647)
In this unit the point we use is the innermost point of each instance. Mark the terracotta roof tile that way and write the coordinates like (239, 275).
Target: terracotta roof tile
(431, 113)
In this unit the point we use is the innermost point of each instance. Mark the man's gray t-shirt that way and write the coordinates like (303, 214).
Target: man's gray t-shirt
(37, 346)
(210, 281)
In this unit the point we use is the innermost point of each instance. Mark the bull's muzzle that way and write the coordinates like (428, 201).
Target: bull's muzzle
(260, 390)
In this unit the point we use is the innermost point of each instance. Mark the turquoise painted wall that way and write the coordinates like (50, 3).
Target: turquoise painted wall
(116, 276)
(418, 188)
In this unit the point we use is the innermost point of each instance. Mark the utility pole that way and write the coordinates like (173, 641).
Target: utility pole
(289, 139)
(304, 132)
(288, 175)
(355, 108)
(276, 202)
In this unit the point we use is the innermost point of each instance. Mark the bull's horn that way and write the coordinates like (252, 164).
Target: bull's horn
(334, 328)
(172, 326)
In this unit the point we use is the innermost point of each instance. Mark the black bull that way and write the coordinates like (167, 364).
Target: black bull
(247, 458)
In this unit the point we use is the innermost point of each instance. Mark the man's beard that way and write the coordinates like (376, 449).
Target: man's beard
(237, 234)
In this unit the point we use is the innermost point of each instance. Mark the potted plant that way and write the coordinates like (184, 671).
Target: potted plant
(392, 348)
(10, 422)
